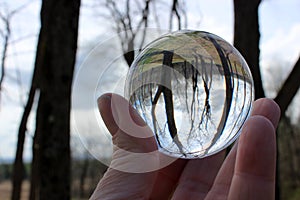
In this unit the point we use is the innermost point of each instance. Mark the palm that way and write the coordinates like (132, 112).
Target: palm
(248, 172)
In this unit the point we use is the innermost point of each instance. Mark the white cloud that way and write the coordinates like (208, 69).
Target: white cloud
(206, 16)
(278, 55)
(284, 44)
(279, 52)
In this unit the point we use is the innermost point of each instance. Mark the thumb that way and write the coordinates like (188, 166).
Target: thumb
(131, 174)
(135, 148)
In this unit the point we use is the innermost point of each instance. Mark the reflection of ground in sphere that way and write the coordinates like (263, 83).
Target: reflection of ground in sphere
(194, 90)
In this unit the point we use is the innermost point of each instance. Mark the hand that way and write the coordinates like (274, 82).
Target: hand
(248, 172)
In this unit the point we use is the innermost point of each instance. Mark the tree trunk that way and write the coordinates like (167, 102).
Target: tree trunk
(18, 167)
(289, 88)
(57, 50)
(246, 38)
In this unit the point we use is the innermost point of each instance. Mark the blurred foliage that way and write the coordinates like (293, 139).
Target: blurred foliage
(86, 171)
(7, 168)
(289, 160)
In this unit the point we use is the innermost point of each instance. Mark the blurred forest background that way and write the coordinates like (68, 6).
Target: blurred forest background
(59, 168)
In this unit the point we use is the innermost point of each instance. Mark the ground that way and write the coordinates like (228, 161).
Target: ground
(6, 187)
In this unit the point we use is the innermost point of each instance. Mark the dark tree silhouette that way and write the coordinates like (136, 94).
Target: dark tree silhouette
(246, 38)
(56, 59)
(18, 167)
(289, 88)
(132, 23)
(124, 22)
(18, 163)
(178, 11)
(54, 65)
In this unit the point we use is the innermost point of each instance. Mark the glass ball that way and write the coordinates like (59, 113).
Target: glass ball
(194, 90)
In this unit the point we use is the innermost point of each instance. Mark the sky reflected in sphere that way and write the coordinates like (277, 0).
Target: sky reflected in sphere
(194, 90)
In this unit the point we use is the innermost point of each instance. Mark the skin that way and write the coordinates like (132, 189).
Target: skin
(248, 172)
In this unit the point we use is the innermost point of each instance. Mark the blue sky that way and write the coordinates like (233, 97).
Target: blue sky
(280, 48)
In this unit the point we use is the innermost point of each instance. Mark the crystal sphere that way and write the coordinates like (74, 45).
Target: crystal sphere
(194, 90)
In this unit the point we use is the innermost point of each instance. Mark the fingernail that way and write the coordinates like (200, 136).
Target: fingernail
(104, 97)
(103, 100)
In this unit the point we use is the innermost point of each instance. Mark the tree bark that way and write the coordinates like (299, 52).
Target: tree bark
(57, 50)
(18, 167)
(246, 38)
(289, 88)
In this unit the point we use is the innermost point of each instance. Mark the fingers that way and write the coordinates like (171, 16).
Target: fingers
(221, 185)
(132, 173)
(167, 179)
(128, 129)
(262, 107)
(198, 177)
(249, 168)
(254, 175)
(199, 184)
(105, 108)
(267, 108)
(135, 151)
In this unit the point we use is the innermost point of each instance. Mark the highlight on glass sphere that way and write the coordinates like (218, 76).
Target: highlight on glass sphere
(194, 90)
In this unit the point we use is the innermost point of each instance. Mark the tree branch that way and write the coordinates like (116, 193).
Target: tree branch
(3, 58)
(18, 168)
(6, 35)
(174, 11)
(289, 88)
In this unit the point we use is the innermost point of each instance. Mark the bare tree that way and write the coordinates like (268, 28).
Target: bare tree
(246, 40)
(55, 62)
(52, 77)
(247, 37)
(6, 16)
(289, 88)
(133, 17)
(5, 34)
(18, 168)
(125, 26)
(124, 22)
(178, 10)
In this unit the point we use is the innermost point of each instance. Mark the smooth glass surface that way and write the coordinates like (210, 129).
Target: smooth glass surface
(194, 90)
